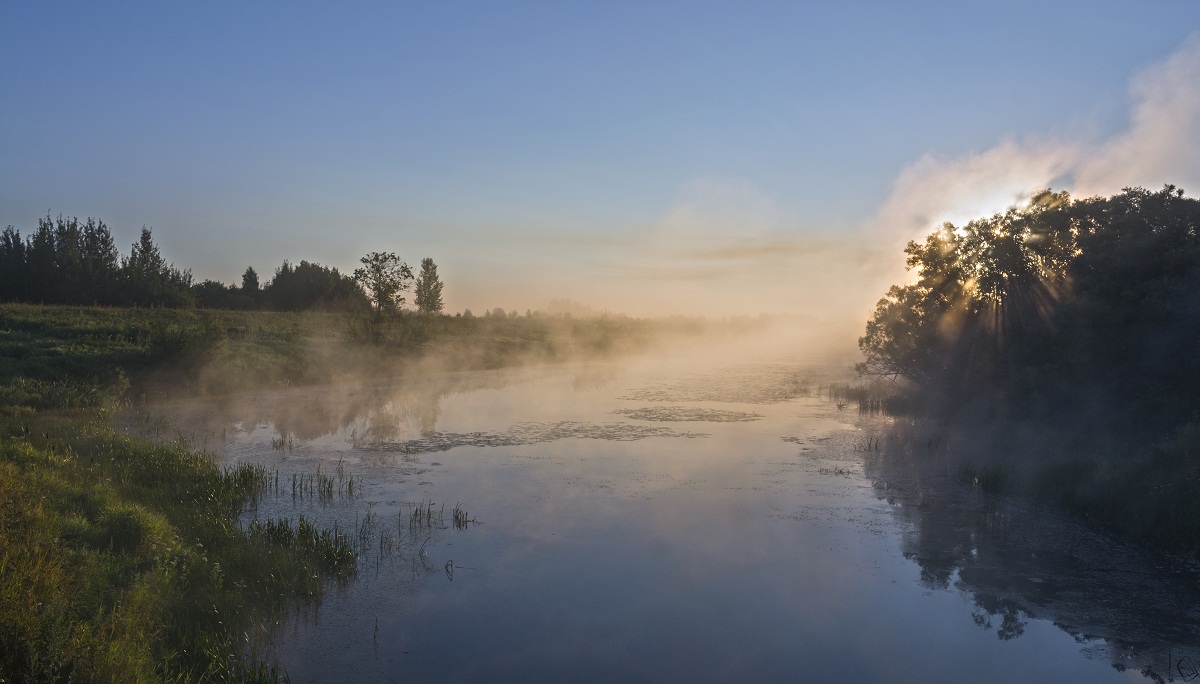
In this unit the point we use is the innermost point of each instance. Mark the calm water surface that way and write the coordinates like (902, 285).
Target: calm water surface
(663, 520)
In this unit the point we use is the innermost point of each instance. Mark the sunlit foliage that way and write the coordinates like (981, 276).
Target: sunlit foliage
(1053, 305)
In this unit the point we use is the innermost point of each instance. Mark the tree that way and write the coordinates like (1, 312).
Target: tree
(385, 277)
(101, 264)
(68, 262)
(1055, 309)
(12, 266)
(40, 271)
(990, 283)
(312, 286)
(428, 290)
(250, 281)
(150, 281)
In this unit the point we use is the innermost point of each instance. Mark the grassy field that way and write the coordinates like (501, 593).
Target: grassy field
(121, 559)
(205, 351)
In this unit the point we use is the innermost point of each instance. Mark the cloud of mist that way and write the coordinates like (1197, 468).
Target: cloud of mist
(1162, 144)
(1159, 146)
(723, 246)
(935, 189)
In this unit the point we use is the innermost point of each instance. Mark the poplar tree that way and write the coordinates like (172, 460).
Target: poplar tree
(428, 291)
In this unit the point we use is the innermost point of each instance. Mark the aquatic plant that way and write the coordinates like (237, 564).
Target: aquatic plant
(424, 516)
(460, 518)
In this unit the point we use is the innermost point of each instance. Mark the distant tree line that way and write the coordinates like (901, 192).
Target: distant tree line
(68, 261)
(303, 287)
(1064, 310)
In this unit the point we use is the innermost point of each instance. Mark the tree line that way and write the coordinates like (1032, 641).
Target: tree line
(1083, 310)
(68, 261)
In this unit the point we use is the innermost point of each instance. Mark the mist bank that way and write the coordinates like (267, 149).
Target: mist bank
(1056, 346)
(151, 352)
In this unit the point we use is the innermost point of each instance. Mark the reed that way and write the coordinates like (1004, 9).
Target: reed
(460, 518)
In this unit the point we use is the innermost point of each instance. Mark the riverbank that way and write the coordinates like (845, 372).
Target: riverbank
(121, 559)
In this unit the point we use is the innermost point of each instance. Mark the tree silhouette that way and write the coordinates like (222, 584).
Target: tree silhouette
(312, 286)
(13, 280)
(150, 281)
(428, 290)
(385, 277)
(1053, 308)
(250, 280)
(101, 264)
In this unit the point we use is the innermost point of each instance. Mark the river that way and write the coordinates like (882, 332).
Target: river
(680, 519)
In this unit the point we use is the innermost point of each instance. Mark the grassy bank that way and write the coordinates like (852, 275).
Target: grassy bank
(206, 351)
(121, 559)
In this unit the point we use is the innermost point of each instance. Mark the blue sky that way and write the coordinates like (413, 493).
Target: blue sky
(726, 157)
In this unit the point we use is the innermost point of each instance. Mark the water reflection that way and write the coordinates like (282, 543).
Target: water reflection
(684, 523)
(368, 414)
(1136, 608)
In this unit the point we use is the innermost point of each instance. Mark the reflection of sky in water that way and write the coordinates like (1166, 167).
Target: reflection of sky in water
(712, 550)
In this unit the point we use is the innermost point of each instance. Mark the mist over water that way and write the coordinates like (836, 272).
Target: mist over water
(706, 515)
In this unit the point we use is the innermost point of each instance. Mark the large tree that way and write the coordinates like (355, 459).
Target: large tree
(385, 277)
(428, 291)
(1057, 304)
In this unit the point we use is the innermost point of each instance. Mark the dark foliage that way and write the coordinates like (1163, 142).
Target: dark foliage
(428, 290)
(306, 287)
(66, 261)
(1060, 341)
(211, 294)
(1083, 308)
(311, 286)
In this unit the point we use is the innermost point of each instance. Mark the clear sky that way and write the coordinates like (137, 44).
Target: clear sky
(649, 157)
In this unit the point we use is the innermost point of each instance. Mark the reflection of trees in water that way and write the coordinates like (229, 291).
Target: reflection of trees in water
(314, 416)
(370, 414)
(410, 415)
(988, 607)
(1019, 561)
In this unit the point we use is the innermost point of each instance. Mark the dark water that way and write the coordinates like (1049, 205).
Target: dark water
(681, 521)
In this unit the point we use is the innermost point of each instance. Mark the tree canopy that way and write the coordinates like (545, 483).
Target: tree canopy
(1057, 304)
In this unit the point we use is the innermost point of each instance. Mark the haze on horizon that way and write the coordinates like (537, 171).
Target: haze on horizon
(701, 158)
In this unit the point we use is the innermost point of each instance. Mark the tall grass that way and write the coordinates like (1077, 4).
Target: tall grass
(874, 398)
(120, 559)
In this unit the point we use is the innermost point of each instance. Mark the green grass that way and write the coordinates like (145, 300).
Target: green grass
(205, 351)
(120, 560)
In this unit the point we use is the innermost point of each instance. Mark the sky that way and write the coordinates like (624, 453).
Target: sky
(712, 158)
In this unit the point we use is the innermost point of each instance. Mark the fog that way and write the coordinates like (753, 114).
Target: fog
(723, 246)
